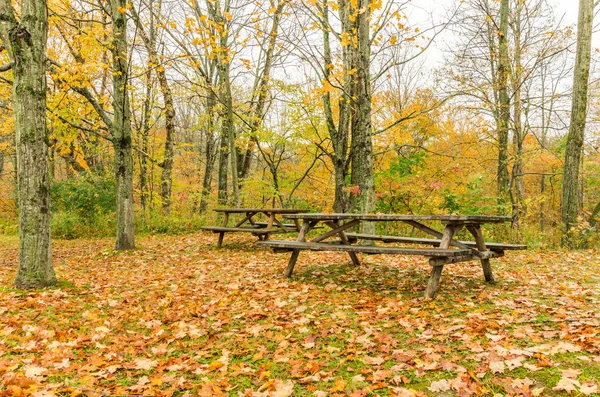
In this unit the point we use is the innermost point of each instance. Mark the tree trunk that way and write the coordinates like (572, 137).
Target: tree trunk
(166, 178)
(121, 129)
(223, 170)
(362, 143)
(149, 39)
(340, 134)
(503, 105)
(517, 179)
(145, 132)
(262, 91)
(211, 104)
(222, 56)
(227, 125)
(573, 154)
(25, 42)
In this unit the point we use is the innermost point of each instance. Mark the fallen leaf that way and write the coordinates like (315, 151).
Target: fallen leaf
(145, 363)
(439, 386)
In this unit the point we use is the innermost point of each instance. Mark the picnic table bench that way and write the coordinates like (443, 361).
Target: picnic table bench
(439, 255)
(248, 224)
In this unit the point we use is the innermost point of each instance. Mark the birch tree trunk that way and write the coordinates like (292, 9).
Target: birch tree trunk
(121, 129)
(573, 154)
(25, 41)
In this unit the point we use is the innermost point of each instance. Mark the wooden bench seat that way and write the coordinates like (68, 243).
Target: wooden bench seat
(254, 230)
(265, 224)
(430, 241)
(367, 249)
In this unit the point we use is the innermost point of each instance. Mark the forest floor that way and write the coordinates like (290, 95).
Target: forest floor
(179, 317)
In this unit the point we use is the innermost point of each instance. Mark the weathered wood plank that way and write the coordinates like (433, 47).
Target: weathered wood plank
(261, 210)
(253, 230)
(267, 232)
(432, 241)
(335, 225)
(475, 230)
(336, 229)
(218, 229)
(435, 233)
(402, 218)
(248, 218)
(304, 229)
(436, 271)
(264, 224)
(300, 245)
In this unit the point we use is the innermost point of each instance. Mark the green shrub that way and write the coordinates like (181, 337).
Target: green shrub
(157, 222)
(9, 226)
(87, 196)
(83, 206)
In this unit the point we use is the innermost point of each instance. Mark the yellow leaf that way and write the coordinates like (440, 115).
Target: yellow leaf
(339, 385)
(215, 365)
(327, 87)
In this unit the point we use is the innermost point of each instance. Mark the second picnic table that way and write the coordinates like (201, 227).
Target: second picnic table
(439, 255)
(248, 224)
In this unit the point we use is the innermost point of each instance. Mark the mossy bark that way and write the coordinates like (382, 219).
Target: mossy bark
(503, 120)
(121, 129)
(25, 41)
(571, 187)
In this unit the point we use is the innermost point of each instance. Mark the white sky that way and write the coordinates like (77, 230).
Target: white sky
(421, 11)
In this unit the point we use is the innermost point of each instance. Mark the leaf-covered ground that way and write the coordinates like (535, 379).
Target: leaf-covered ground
(180, 317)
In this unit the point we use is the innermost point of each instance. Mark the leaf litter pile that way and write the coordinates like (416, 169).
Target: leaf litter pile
(178, 317)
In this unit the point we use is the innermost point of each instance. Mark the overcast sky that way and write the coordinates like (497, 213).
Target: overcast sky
(421, 11)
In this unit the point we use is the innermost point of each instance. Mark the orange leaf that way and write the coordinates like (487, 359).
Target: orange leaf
(339, 385)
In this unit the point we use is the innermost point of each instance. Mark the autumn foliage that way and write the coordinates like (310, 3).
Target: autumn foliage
(179, 317)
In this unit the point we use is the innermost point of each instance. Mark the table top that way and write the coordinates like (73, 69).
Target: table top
(262, 210)
(395, 217)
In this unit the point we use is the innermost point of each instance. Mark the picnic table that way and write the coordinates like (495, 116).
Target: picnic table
(249, 224)
(439, 254)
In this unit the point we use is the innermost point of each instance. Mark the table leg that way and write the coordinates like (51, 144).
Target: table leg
(248, 218)
(485, 262)
(344, 240)
(271, 220)
(436, 271)
(306, 225)
(222, 234)
(292, 263)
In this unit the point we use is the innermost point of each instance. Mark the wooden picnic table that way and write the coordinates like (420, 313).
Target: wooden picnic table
(439, 255)
(249, 224)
